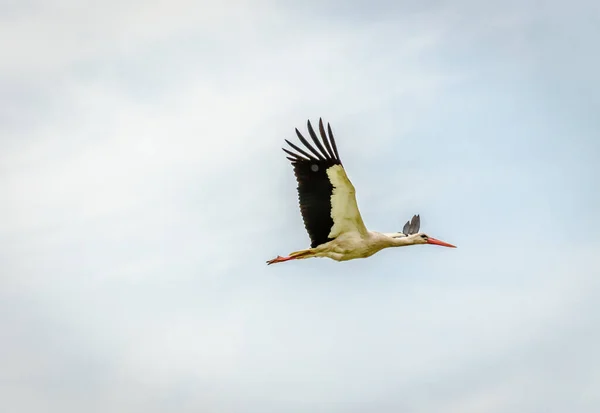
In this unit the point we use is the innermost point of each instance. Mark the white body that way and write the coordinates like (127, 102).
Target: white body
(352, 245)
(349, 236)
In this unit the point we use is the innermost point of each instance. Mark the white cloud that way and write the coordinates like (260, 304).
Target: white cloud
(146, 189)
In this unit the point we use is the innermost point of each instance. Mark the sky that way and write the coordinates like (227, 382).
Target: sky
(144, 188)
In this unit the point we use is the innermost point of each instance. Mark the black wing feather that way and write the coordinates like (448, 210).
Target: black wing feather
(333, 145)
(294, 155)
(314, 187)
(308, 145)
(313, 136)
(300, 150)
(324, 138)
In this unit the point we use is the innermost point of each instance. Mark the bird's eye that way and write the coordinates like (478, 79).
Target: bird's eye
(424, 236)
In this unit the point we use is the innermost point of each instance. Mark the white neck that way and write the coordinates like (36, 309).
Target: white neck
(397, 239)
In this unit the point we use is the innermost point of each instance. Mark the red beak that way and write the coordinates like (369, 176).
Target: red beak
(438, 242)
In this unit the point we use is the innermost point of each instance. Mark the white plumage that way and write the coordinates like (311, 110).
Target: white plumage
(329, 209)
(344, 209)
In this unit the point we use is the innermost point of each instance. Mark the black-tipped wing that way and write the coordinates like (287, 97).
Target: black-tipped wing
(327, 197)
(412, 226)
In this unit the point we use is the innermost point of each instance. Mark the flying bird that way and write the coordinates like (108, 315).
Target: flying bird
(329, 209)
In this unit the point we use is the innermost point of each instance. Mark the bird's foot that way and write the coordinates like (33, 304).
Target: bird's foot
(279, 259)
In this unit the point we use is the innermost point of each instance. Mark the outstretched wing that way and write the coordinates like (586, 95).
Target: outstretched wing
(327, 197)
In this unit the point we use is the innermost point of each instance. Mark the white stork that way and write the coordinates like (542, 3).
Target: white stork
(329, 209)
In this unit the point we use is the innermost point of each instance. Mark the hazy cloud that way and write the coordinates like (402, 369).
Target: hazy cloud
(145, 188)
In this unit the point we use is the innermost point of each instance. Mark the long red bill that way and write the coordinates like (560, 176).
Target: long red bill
(438, 242)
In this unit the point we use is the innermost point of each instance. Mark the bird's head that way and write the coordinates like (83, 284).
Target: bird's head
(411, 230)
(422, 238)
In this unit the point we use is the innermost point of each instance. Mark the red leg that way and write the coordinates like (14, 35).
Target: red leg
(280, 259)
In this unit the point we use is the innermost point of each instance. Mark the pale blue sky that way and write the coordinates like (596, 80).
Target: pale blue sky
(145, 188)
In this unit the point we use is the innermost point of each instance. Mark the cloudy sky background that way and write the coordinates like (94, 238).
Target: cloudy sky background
(144, 187)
